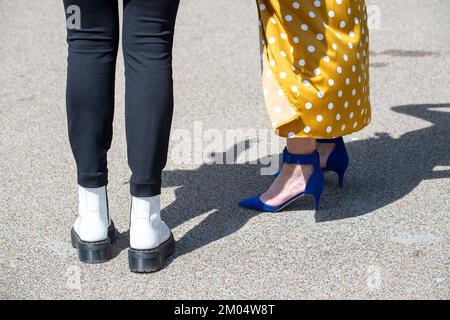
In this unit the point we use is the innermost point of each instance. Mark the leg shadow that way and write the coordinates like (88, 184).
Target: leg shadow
(215, 189)
(384, 169)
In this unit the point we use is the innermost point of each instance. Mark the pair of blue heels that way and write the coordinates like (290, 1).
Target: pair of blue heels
(337, 162)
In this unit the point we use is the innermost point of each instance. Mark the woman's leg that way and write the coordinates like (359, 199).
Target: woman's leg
(90, 86)
(148, 31)
(325, 150)
(92, 37)
(292, 178)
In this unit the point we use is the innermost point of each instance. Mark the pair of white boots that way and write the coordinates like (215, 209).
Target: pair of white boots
(93, 224)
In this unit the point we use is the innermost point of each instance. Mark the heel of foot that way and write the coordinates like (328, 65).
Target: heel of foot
(92, 252)
(146, 261)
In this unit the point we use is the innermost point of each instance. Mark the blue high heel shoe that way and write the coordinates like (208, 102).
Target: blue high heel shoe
(338, 159)
(314, 186)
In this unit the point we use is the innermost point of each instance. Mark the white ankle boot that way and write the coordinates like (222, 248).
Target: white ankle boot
(93, 231)
(147, 230)
(151, 241)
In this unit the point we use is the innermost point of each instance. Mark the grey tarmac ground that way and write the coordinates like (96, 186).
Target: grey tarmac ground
(385, 235)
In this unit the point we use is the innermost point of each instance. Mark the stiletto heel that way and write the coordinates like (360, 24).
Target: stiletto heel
(314, 186)
(338, 160)
(317, 201)
(341, 175)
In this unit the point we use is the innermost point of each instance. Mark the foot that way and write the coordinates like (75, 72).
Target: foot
(93, 231)
(325, 150)
(151, 241)
(291, 181)
(93, 220)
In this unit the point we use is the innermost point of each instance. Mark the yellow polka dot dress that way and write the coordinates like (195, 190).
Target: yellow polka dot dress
(315, 66)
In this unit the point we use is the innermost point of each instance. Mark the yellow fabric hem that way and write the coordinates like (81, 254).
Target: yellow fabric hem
(285, 133)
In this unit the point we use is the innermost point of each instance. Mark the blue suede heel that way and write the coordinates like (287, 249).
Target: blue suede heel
(338, 160)
(314, 186)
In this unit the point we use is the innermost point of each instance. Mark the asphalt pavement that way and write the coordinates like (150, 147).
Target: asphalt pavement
(386, 234)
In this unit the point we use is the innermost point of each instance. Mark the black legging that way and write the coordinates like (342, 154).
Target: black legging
(93, 37)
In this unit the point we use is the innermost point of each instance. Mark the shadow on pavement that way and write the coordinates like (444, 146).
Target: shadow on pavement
(382, 170)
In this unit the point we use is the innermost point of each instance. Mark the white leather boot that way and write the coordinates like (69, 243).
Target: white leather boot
(93, 231)
(151, 240)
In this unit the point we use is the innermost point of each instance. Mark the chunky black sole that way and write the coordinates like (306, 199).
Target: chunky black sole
(146, 261)
(94, 252)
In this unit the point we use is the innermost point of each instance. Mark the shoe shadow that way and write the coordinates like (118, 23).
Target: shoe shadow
(121, 243)
(213, 190)
(382, 170)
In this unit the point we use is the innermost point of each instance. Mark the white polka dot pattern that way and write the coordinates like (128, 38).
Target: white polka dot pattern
(315, 62)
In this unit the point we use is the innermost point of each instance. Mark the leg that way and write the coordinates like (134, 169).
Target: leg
(292, 178)
(325, 150)
(90, 87)
(92, 37)
(147, 43)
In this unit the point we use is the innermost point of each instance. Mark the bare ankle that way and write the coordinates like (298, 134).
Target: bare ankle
(304, 146)
(325, 150)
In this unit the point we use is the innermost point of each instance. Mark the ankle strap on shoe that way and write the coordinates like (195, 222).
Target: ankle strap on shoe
(298, 159)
